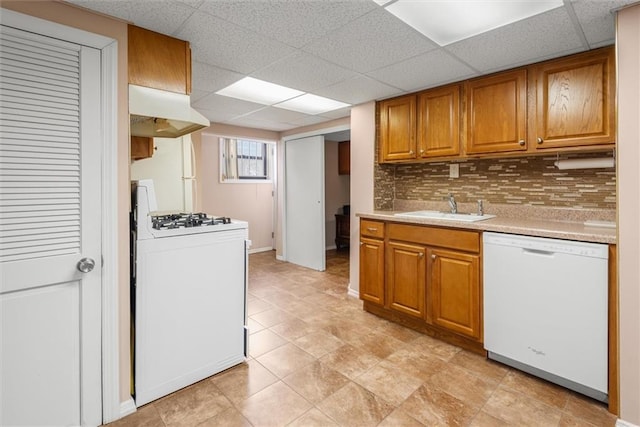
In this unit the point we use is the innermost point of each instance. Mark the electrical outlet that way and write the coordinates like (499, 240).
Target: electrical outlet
(454, 170)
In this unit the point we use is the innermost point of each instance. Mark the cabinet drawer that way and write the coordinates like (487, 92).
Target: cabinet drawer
(434, 236)
(372, 228)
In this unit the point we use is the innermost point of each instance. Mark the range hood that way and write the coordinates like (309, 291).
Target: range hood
(159, 113)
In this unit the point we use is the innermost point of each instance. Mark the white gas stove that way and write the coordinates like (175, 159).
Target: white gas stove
(151, 223)
(189, 279)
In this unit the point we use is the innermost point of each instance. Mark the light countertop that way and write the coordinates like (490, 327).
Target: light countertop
(559, 224)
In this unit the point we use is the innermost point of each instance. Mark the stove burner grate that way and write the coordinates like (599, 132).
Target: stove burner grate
(182, 220)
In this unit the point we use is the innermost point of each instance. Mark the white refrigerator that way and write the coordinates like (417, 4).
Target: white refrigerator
(172, 169)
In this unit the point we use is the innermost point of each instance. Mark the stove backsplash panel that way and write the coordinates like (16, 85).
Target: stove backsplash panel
(531, 181)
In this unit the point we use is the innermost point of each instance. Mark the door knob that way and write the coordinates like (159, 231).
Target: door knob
(85, 265)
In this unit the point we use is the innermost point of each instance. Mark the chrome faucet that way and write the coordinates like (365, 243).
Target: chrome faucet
(452, 203)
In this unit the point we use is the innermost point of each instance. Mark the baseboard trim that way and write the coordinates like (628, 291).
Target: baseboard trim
(256, 250)
(622, 423)
(280, 258)
(127, 407)
(353, 293)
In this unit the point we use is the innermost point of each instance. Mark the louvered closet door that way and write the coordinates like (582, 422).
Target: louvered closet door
(49, 219)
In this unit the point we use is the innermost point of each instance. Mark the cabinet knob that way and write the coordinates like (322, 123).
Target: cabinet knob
(420, 255)
(521, 142)
(421, 151)
(361, 243)
(540, 140)
(411, 152)
(433, 256)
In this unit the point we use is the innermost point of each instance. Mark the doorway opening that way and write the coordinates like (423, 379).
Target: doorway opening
(317, 213)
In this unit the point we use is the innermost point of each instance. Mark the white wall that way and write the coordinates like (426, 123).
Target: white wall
(628, 45)
(363, 142)
(336, 189)
(251, 202)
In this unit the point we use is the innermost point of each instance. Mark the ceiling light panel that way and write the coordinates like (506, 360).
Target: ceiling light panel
(311, 104)
(448, 21)
(254, 90)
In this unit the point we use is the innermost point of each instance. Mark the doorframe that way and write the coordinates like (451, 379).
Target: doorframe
(283, 203)
(109, 184)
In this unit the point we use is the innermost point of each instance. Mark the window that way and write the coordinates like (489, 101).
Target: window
(244, 160)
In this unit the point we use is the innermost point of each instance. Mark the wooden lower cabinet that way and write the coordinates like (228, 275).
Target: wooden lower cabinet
(455, 292)
(372, 270)
(406, 278)
(431, 279)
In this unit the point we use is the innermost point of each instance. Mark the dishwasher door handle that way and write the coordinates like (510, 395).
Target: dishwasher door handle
(538, 252)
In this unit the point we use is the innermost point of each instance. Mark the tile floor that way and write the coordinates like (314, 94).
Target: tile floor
(317, 359)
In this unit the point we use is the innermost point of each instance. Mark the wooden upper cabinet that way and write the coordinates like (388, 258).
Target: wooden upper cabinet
(565, 104)
(575, 101)
(158, 61)
(497, 113)
(439, 122)
(141, 147)
(398, 129)
(344, 158)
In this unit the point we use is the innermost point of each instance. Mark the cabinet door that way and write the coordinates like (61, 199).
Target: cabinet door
(158, 61)
(497, 113)
(406, 278)
(372, 270)
(439, 122)
(398, 129)
(141, 147)
(575, 101)
(455, 292)
(344, 158)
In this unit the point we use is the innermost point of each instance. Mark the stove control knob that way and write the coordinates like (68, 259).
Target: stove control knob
(85, 265)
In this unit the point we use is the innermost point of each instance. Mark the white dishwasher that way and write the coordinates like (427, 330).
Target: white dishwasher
(545, 309)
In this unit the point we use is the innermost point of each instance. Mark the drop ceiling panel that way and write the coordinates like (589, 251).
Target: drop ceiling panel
(225, 45)
(349, 50)
(295, 23)
(427, 70)
(232, 106)
(277, 115)
(336, 114)
(197, 94)
(597, 20)
(162, 16)
(307, 121)
(247, 121)
(120, 10)
(211, 78)
(304, 72)
(357, 90)
(540, 37)
(192, 3)
(373, 41)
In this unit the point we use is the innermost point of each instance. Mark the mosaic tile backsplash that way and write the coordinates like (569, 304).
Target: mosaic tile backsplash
(533, 181)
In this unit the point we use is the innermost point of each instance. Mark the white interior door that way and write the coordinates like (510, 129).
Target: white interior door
(50, 219)
(304, 201)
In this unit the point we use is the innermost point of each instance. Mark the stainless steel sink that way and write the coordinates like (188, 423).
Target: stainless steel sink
(465, 217)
